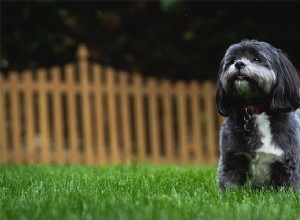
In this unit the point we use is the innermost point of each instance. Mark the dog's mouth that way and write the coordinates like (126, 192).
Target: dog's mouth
(241, 77)
(244, 87)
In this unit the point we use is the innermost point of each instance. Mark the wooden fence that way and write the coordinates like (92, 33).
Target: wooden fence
(87, 113)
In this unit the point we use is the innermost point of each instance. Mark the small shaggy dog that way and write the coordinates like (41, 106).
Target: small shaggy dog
(258, 93)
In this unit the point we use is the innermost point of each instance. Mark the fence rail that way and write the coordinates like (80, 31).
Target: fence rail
(87, 113)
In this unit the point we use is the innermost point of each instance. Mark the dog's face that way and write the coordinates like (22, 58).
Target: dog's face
(247, 71)
(252, 70)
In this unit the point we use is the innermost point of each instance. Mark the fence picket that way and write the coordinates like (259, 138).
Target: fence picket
(86, 111)
(140, 120)
(15, 116)
(197, 145)
(182, 118)
(153, 119)
(3, 124)
(101, 152)
(220, 120)
(112, 114)
(210, 122)
(168, 122)
(126, 119)
(72, 112)
(43, 117)
(30, 119)
(58, 120)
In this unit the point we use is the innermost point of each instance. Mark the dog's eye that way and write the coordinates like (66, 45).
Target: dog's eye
(233, 60)
(255, 59)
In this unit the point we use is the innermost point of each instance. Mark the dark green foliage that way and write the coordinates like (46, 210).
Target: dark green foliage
(167, 38)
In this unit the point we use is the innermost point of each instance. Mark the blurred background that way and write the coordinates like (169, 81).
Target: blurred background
(103, 82)
(167, 38)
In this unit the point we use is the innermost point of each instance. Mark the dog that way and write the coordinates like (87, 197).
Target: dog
(258, 94)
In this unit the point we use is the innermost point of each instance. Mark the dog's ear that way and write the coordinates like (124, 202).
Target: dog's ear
(286, 93)
(224, 103)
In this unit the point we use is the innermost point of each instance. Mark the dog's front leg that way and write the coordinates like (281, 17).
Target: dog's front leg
(286, 174)
(232, 171)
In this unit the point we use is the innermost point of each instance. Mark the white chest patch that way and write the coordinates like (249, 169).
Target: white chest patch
(268, 153)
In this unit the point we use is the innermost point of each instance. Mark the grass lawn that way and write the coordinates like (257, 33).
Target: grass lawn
(133, 192)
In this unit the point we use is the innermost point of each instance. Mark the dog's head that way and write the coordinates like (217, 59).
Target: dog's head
(253, 71)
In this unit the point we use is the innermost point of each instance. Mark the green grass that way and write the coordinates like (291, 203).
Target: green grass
(133, 192)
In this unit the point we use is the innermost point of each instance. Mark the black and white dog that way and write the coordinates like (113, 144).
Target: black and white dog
(258, 93)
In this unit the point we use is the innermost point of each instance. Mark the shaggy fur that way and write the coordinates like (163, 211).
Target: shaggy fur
(258, 93)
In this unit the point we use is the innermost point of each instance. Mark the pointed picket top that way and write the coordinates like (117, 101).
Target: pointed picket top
(82, 52)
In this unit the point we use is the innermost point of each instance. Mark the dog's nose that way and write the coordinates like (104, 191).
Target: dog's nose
(239, 65)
